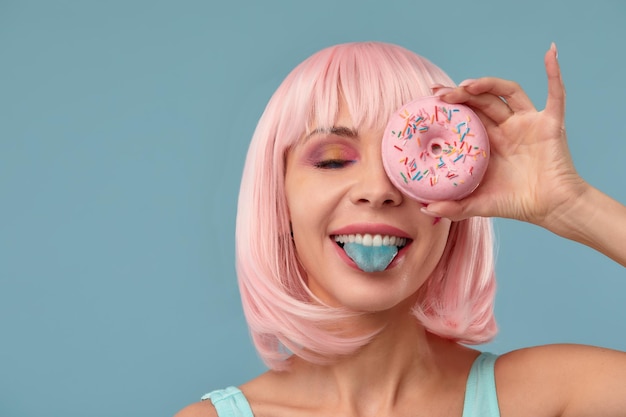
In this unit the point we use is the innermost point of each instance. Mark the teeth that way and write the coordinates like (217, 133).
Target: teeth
(371, 240)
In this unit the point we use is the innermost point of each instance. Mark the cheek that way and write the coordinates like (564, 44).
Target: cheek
(312, 199)
(297, 200)
(308, 215)
(303, 216)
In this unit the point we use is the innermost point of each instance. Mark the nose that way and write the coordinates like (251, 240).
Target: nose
(373, 186)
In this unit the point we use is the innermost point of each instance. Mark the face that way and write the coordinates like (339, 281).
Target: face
(336, 186)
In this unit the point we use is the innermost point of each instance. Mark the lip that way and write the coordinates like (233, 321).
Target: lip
(362, 228)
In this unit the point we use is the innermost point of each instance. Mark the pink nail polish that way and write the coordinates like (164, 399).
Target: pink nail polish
(467, 82)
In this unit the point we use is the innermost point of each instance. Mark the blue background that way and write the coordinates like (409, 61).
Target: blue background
(123, 129)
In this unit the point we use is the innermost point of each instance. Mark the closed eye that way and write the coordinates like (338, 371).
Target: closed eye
(333, 163)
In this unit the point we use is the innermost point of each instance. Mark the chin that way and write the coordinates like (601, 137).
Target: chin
(375, 294)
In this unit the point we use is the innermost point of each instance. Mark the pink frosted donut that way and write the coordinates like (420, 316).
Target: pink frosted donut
(434, 151)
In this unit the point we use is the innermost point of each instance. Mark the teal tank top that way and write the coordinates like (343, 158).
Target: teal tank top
(481, 399)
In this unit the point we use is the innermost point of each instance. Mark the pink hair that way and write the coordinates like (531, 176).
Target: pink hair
(375, 79)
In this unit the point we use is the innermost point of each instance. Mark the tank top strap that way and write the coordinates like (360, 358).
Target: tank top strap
(229, 402)
(481, 398)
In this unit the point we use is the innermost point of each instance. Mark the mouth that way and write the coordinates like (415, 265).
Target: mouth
(371, 253)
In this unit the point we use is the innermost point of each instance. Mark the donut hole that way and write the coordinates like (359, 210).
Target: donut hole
(436, 149)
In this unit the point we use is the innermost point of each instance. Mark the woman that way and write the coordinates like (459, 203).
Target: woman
(342, 341)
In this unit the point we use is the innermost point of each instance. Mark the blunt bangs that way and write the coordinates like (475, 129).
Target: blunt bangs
(374, 79)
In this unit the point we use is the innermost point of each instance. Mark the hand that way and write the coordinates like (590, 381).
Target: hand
(531, 176)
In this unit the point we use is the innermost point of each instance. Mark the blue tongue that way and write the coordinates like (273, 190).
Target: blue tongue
(370, 258)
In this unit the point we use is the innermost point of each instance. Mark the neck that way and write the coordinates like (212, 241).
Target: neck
(399, 363)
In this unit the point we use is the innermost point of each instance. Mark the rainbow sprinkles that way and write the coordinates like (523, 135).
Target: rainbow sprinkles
(435, 151)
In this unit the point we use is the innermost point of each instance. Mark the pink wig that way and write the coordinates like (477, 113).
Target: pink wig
(284, 318)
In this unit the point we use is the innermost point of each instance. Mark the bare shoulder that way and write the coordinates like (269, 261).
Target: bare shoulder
(558, 360)
(199, 409)
(557, 380)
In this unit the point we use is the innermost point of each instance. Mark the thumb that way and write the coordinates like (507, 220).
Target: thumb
(453, 210)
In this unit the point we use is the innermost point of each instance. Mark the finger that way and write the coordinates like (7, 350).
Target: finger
(555, 104)
(487, 121)
(510, 91)
(490, 105)
(436, 86)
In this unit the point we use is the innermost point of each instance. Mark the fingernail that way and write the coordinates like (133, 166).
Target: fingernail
(467, 82)
(442, 91)
(430, 213)
(556, 52)
(435, 86)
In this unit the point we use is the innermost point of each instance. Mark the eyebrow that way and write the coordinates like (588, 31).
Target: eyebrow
(335, 130)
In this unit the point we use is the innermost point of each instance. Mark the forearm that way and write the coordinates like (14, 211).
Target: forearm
(595, 220)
